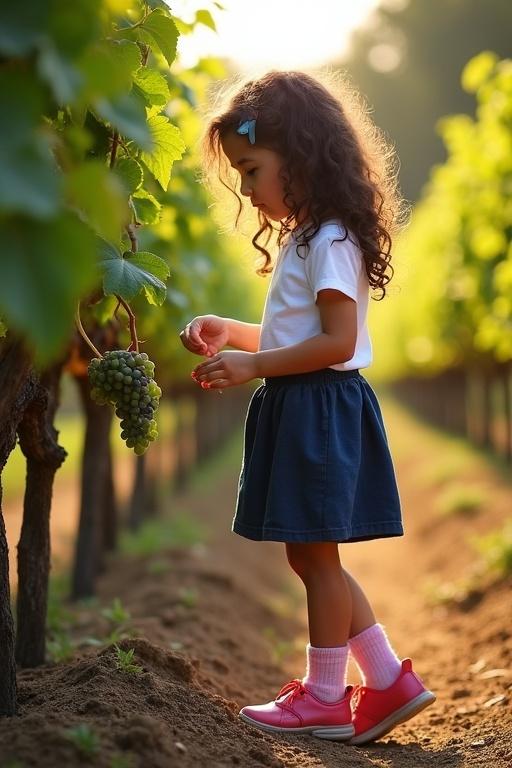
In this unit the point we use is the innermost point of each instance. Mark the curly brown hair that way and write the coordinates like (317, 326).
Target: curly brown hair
(331, 151)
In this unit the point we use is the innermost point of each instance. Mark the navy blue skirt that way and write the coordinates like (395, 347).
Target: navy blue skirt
(316, 463)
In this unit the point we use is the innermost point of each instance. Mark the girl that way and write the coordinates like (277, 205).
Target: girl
(316, 468)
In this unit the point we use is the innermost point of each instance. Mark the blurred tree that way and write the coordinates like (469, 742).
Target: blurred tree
(408, 60)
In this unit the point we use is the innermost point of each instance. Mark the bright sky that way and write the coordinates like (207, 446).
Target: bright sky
(262, 34)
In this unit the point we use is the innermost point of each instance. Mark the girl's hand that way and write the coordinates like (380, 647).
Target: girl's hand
(227, 369)
(205, 335)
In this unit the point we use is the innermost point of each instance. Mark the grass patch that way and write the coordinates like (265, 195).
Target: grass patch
(228, 455)
(460, 499)
(159, 534)
(279, 649)
(495, 549)
(494, 563)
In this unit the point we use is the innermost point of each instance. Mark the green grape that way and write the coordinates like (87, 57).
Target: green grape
(125, 380)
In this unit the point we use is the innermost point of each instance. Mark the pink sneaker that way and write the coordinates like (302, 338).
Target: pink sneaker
(296, 710)
(376, 712)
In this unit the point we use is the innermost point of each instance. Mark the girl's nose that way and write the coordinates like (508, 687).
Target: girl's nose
(245, 188)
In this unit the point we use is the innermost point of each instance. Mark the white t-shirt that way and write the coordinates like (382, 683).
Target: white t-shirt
(291, 315)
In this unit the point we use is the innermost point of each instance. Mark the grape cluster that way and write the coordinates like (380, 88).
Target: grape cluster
(125, 379)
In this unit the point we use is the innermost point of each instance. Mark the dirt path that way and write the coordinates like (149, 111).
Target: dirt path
(223, 624)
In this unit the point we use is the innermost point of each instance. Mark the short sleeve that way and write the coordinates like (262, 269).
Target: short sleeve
(336, 264)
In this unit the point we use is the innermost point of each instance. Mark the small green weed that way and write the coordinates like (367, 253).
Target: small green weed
(157, 535)
(496, 550)
(280, 649)
(441, 472)
(60, 647)
(121, 760)
(189, 597)
(84, 738)
(157, 567)
(445, 592)
(124, 661)
(116, 614)
(460, 500)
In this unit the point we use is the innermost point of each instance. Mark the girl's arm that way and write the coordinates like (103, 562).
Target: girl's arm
(244, 336)
(336, 343)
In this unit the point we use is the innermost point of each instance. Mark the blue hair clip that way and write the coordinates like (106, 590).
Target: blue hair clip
(248, 128)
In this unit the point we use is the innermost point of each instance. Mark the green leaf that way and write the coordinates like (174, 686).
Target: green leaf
(46, 267)
(3, 329)
(108, 67)
(19, 32)
(104, 309)
(30, 180)
(158, 4)
(159, 29)
(205, 17)
(22, 102)
(129, 274)
(478, 70)
(73, 26)
(183, 27)
(127, 114)
(98, 194)
(62, 77)
(130, 174)
(147, 208)
(127, 53)
(153, 86)
(168, 147)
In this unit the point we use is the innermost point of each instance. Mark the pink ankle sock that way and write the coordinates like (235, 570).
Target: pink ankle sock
(378, 663)
(326, 672)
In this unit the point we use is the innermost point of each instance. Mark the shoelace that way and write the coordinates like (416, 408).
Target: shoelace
(294, 688)
(357, 694)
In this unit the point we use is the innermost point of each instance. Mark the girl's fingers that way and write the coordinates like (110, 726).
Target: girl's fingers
(216, 384)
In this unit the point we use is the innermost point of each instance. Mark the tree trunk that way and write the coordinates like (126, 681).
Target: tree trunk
(17, 384)
(110, 509)
(95, 466)
(137, 510)
(38, 441)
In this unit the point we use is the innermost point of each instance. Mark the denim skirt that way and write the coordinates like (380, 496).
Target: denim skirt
(316, 464)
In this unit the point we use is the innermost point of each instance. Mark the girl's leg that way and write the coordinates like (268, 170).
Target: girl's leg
(329, 596)
(362, 613)
(329, 611)
(377, 662)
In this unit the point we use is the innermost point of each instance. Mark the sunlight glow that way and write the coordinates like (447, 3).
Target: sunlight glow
(286, 34)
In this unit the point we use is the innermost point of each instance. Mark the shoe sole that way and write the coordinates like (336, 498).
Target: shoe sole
(401, 715)
(331, 732)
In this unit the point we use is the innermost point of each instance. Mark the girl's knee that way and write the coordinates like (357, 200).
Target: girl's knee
(309, 558)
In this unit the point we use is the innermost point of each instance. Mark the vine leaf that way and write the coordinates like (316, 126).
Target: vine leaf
(168, 146)
(131, 174)
(153, 86)
(30, 181)
(131, 273)
(160, 30)
(147, 207)
(46, 267)
(204, 17)
(127, 114)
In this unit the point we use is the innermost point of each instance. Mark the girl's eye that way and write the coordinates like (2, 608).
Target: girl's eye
(252, 172)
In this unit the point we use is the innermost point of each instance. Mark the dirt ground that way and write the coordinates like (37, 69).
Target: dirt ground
(223, 623)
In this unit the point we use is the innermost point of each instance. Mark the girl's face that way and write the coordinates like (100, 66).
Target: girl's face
(259, 170)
